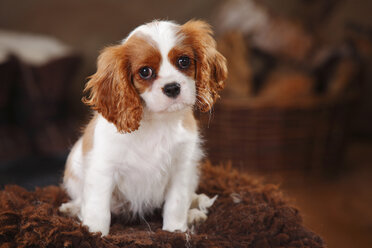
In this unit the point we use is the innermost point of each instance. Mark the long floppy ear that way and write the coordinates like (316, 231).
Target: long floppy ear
(111, 92)
(211, 69)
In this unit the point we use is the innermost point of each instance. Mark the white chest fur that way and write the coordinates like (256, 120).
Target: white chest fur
(143, 162)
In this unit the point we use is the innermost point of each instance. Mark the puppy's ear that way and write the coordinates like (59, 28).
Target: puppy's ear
(111, 92)
(211, 69)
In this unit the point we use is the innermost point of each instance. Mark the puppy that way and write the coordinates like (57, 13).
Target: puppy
(141, 149)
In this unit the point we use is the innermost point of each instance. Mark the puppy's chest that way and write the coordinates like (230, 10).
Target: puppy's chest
(145, 168)
(149, 152)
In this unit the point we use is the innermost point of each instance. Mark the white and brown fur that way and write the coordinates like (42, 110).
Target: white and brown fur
(141, 149)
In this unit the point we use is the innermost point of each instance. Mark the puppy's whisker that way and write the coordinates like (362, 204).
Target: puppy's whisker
(206, 103)
(148, 225)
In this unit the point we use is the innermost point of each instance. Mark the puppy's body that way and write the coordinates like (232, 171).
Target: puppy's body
(141, 149)
(142, 172)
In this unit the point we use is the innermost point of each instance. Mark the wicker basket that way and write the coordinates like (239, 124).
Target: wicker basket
(307, 137)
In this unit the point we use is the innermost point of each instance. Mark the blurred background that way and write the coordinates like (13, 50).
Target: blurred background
(297, 108)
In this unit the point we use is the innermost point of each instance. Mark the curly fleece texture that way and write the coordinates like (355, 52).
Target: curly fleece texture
(247, 213)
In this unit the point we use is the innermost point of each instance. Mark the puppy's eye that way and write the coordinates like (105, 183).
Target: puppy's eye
(145, 72)
(184, 62)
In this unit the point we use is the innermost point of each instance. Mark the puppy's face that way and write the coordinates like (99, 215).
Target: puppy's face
(161, 66)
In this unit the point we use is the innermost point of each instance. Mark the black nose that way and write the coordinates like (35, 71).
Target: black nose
(172, 89)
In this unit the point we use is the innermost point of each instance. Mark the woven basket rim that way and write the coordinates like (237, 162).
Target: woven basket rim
(306, 103)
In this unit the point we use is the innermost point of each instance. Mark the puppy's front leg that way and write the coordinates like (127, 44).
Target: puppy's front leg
(176, 207)
(178, 200)
(97, 193)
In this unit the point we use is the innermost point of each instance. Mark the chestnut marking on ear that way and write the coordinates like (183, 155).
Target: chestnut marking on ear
(111, 92)
(211, 69)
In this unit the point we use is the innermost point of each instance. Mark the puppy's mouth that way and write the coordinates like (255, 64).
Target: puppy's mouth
(178, 103)
(177, 106)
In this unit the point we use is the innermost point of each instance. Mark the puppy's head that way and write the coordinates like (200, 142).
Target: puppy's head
(161, 66)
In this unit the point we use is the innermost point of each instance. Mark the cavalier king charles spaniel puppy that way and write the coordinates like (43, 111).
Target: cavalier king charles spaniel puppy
(141, 149)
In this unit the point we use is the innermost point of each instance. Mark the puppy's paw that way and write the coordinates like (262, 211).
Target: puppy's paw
(175, 227)
(97, 223)
(70, 208)
(195, 217)
(95, 226)
(202, 202)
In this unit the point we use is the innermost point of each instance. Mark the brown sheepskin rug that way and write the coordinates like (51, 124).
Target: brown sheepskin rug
(247, 213)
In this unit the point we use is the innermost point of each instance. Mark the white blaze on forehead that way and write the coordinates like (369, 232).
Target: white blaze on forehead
(163, 33)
